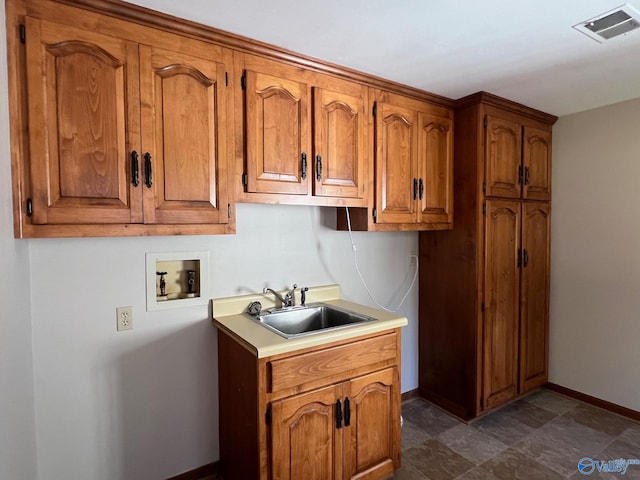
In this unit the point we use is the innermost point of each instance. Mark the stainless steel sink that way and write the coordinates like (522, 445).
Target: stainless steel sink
(314, 318)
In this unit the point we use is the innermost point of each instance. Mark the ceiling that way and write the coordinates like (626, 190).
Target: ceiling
(524, 50)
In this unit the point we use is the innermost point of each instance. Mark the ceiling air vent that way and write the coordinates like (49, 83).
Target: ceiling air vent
(605, 26)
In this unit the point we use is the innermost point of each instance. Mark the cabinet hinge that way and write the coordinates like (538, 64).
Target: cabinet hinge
(228, 210)
(484, 208)
(374, 110)
(482, 307)
(374, 214)
(245, 180)
(485, 122)
(23, 33)
(484, 187)
(267, 416)
(226, 79)
(29, 207)
(243, 82)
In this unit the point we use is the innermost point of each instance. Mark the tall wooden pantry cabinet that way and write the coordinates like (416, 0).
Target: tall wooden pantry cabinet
(484, 286)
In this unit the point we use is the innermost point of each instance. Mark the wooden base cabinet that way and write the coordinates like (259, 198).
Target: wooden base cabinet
(484, 286)
(325, 413)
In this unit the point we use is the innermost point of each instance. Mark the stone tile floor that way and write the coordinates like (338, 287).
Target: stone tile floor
(539, 437)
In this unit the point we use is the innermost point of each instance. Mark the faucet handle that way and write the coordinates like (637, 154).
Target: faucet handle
(290, 297)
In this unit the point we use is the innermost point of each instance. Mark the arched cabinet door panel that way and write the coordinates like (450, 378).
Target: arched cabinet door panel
(436, 167)
(536, 153)
(503, 259)
(503, 157)
(396, 163)
(305, 441)
(184, 132)
(83, 125)
(373, 433)
(339, 148)
(277, 134)
(534, 300)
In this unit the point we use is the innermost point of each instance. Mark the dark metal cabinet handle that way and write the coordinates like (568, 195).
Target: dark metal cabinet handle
(338, 414)
(526, 175)
(415, 188)
(520, 174)
(519, 260)
(421, 188)
(347, 412)
(525, 258)
(135, 177)
(148, 181)
(304, 165)
(319, 167)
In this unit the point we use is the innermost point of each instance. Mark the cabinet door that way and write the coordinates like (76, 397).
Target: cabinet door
(501, 301)
(534, 310)
(396, 163)
(536, 151)
(83, 125)
(306, 443)
(503, 157)
(435, 159)
(277, 134)
(184, 130)
(372, 433)
(339, 148)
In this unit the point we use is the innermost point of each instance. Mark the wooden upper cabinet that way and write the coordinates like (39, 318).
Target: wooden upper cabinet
(536, 156)
(396, 131)
(305, 441)
(534, 300)
(83, 120)
(503, 157)
(372, 433)
(277, 132)
(339, 144)
(305, 134)
(435, 147)
(413, 163)
(501, 301)
(122, 132)
(184, 123)
(518, 159)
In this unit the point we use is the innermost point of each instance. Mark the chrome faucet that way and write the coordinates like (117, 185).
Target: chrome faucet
(289, 299)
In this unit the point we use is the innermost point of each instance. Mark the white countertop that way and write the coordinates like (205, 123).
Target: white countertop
(228, 315)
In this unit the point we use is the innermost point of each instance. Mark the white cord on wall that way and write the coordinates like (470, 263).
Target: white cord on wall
(355, 261)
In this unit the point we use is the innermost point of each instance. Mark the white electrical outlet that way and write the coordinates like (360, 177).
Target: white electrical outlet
(413, 259)
(124, 318)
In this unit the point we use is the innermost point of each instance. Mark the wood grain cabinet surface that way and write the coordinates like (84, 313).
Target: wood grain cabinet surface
(518, 158)
(413, 166)
(127, 121)
(327, 412)
(126, 128)
(305, 135)
(484, 286)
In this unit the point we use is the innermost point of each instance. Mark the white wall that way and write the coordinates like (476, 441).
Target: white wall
(142, 404)
(595, 261)
(17, 431)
